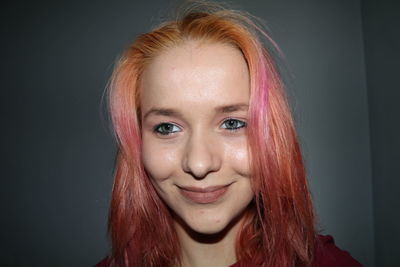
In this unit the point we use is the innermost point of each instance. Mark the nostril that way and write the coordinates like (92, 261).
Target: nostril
(200, 160)
(198, 168)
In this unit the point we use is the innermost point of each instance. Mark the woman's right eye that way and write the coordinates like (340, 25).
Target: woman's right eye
(166, 129)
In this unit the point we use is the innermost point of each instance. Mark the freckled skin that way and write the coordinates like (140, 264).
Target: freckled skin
(194, 79)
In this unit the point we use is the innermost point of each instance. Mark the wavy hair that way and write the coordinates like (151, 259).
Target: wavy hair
(278, 229)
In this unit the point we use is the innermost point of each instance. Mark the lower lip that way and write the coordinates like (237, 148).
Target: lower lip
(204, 197)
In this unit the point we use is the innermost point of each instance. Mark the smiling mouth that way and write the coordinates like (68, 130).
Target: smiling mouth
(204, 195)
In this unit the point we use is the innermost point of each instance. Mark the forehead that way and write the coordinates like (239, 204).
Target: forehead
(193, 74)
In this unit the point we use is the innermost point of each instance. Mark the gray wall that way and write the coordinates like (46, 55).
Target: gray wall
(381, 21)
(58, 152)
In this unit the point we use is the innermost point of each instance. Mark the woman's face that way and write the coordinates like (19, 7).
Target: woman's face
(194, 101)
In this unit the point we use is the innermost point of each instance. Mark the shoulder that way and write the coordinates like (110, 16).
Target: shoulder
(328, 254)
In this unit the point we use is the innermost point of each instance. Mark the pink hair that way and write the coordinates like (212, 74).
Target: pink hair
(279, 225)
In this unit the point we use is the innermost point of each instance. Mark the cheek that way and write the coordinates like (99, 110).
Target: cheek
(160, 161)
(238, 156)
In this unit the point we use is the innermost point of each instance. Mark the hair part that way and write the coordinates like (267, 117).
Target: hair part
(278, 229)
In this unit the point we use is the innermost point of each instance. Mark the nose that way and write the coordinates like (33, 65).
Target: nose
(202, 156)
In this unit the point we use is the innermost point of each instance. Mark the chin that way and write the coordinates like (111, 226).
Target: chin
(210, 224)
(208, 227)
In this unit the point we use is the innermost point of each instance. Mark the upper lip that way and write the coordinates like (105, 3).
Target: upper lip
(204, 189)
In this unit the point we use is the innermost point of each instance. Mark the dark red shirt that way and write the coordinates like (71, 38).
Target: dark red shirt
(327, 254)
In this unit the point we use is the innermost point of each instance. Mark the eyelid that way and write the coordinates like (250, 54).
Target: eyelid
(243, 122)
(168, 133)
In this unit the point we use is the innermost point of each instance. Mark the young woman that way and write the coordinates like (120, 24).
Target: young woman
(209, 170)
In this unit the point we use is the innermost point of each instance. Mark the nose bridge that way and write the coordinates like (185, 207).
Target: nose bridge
(202, 154)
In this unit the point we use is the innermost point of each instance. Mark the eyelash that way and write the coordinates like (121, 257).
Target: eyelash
(164, 124)
(165, 132)
(241, 123)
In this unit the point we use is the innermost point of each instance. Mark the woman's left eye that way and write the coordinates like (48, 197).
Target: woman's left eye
(233, 124)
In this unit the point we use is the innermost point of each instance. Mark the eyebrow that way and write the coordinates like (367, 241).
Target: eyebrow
(175, 113)
(231, 108)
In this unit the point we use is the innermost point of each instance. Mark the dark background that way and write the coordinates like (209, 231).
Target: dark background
(58, 149)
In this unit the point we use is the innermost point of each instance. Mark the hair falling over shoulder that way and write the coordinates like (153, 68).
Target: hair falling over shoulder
(279, 225)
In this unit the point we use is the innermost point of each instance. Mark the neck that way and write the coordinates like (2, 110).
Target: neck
(207, 249)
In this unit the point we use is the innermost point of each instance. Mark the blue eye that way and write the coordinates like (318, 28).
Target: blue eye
(233, 124)
(166, 128)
